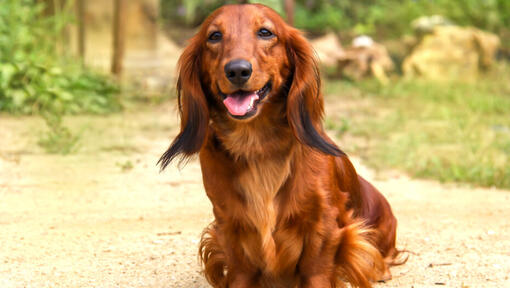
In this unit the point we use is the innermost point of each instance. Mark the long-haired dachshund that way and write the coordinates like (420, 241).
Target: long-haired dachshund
(289, 208)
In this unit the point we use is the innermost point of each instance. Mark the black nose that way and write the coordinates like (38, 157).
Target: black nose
(238, 71)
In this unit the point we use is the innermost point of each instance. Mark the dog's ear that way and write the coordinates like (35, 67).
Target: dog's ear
(305, 105)
(193, 108)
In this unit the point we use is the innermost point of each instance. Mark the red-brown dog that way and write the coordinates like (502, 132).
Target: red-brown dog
(290, 210)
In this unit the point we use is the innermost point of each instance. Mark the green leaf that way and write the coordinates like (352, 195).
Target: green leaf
(18, 97)
(7, 71)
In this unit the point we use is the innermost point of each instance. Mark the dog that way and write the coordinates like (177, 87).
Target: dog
(289, 207)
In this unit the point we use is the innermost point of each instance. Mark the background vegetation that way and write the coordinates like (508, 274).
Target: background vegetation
(450, 131)
(453, 131)
(391, 18)
(37, 77)
(381, 19)
(193, 12)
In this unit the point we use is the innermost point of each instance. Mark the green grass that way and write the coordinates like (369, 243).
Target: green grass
(447, 131)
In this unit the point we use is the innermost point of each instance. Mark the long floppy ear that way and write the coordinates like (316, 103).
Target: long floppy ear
(305, 105)
(193, 108)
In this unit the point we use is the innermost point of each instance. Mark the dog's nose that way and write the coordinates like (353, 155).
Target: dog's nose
(238, 71)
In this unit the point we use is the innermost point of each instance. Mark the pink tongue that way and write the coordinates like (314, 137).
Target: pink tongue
(239, 105)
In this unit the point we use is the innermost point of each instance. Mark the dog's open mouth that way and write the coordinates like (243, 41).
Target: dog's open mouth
(243, 104)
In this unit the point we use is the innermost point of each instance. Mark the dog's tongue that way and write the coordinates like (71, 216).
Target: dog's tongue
(239, 104)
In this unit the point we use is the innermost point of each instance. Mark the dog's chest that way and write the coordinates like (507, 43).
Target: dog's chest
(259, 183)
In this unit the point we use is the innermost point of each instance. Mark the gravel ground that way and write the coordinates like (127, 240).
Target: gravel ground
(106, 217)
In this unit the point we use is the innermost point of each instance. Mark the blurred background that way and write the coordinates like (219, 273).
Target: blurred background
(435, 72)
(415, 89)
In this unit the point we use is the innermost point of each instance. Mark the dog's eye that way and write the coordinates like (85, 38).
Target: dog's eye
(265, 34)
(215, 37)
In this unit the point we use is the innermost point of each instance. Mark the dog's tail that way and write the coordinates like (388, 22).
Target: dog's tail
(212, 257)
(398, 257)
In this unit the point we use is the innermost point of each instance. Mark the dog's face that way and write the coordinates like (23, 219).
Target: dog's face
(242, 58)
(244, 62)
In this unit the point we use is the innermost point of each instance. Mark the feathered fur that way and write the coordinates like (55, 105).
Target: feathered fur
(289, 207)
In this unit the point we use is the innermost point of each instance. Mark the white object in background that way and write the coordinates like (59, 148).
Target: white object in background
(362, 41)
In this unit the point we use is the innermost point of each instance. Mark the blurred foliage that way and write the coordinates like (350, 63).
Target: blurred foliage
(451, 131)
(381, 18)
(189, 12)
(34, 78)
(58, 139)
(392, 18)
(193, 12)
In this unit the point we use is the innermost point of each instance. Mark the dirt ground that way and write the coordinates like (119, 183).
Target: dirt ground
(106, 217)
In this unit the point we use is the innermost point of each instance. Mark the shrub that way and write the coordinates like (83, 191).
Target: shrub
(392, 18)
(33, 77)
(380, 18)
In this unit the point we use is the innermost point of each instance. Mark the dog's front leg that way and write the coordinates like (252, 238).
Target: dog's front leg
(316, 281)
(241, 273)
(241, 280)
(317, 264)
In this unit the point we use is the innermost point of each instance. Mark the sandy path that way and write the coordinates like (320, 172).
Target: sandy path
(84, 221)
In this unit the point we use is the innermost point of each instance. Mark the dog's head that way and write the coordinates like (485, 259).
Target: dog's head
(243, 57)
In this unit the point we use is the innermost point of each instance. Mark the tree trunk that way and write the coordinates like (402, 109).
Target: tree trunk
(289, 11)
(49, 10)
(80, 11)
(118, 37)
